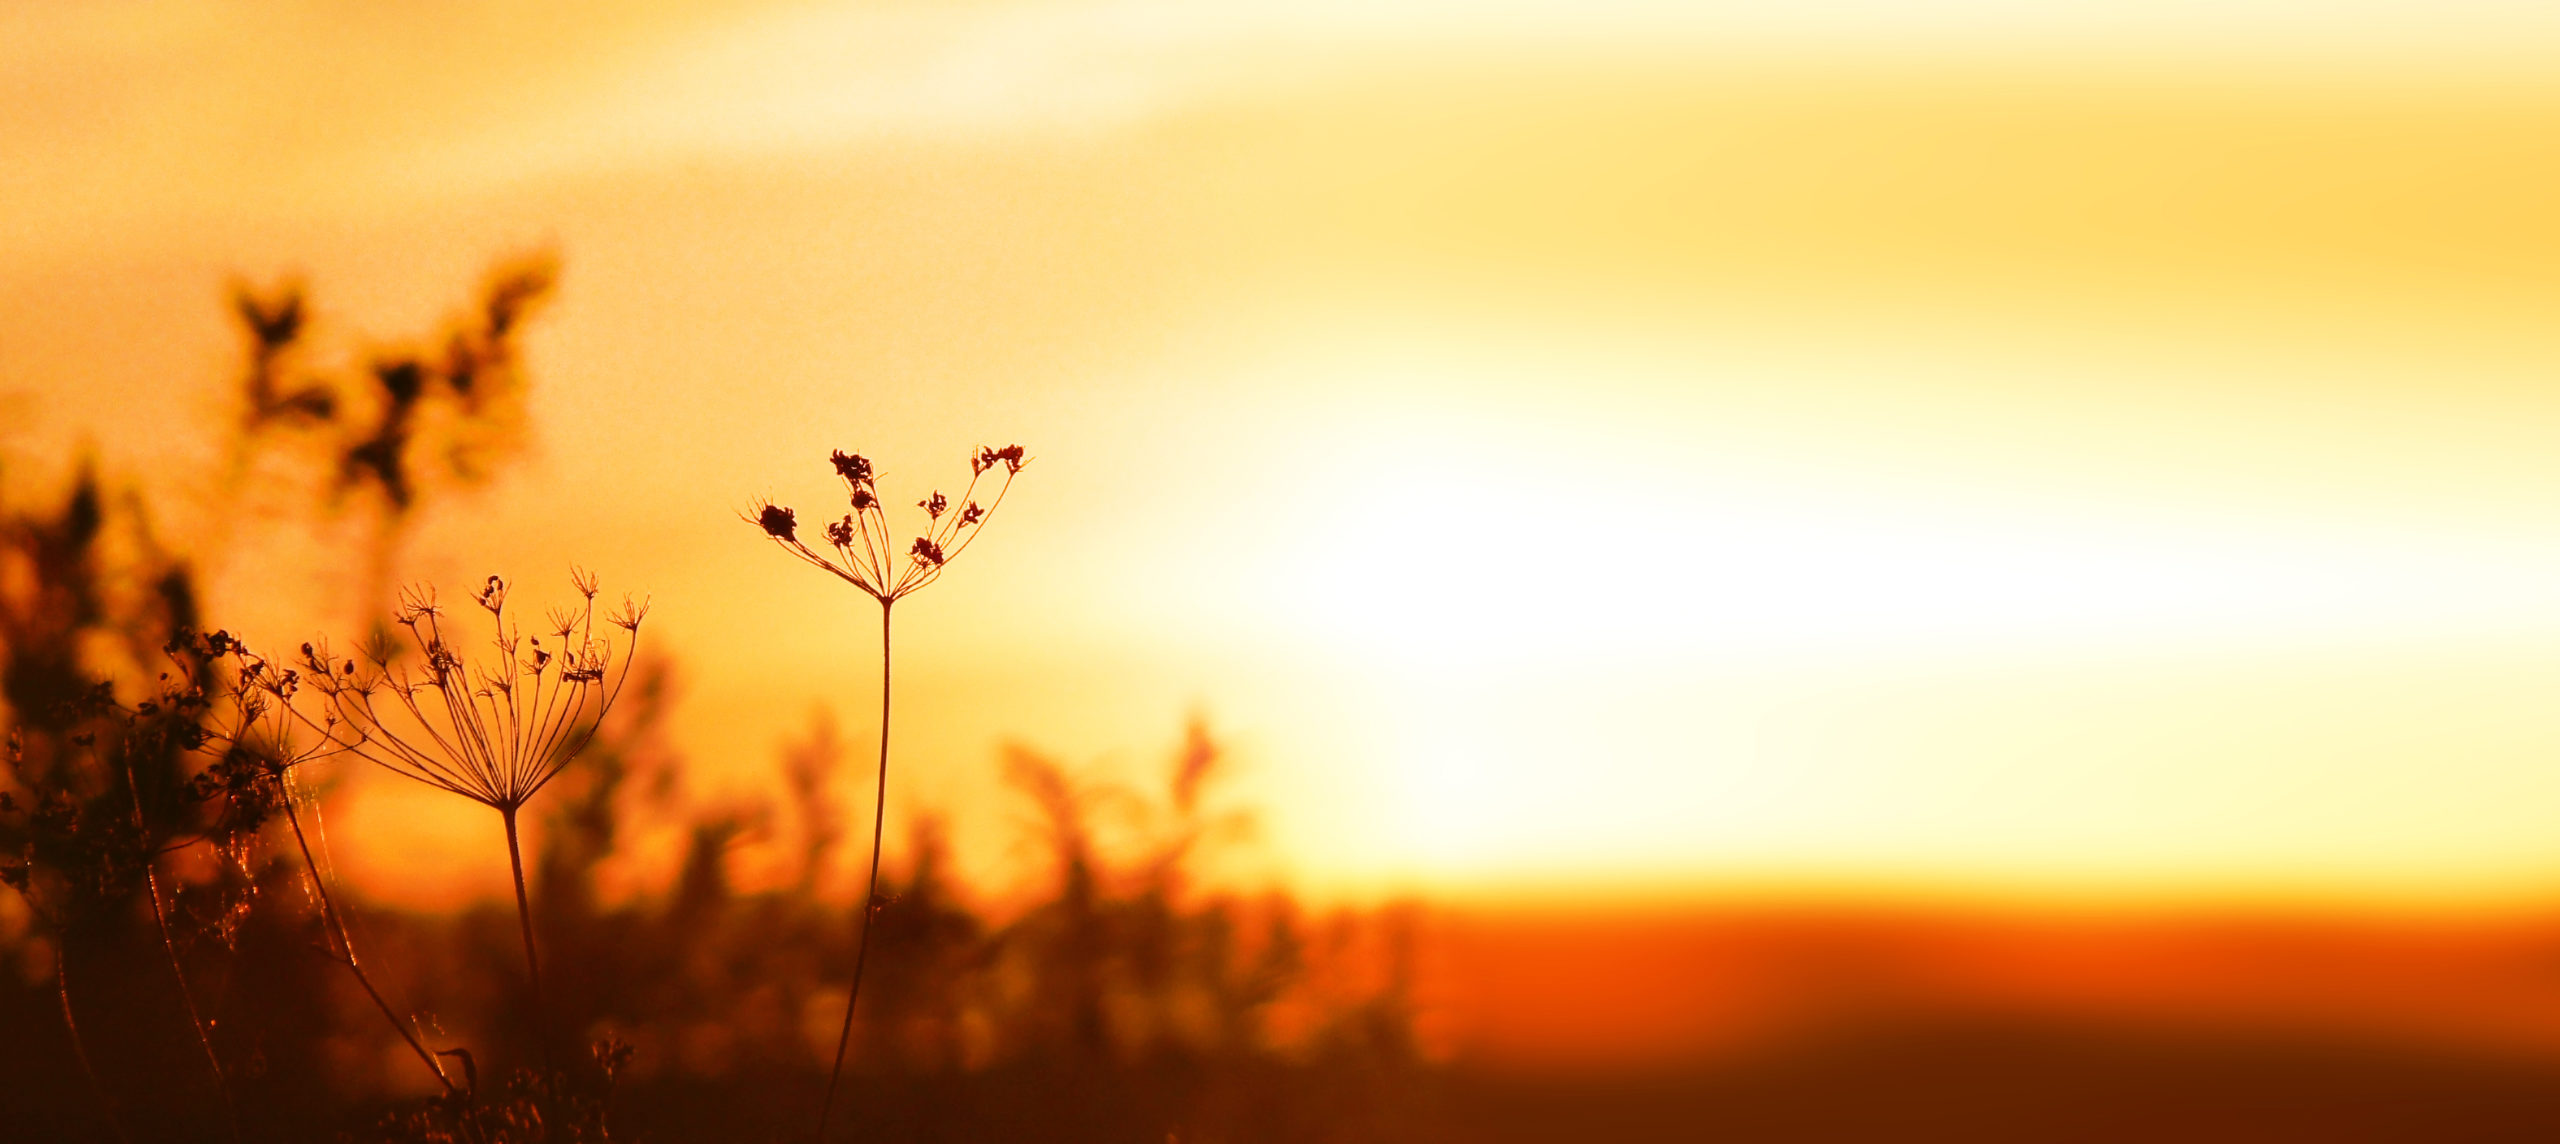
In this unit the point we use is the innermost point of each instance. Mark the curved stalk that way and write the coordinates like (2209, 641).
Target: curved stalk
(346, 954)
(871, 886)
(177, 969)
(187, 997)
(79, 1047)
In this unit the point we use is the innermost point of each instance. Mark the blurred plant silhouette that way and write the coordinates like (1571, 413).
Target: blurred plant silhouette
(408, 424)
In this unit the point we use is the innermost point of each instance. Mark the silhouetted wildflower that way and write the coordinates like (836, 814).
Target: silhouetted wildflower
(859, 547)
(863, 554)
(494, 732)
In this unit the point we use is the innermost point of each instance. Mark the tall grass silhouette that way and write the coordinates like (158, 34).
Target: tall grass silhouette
(862, 551)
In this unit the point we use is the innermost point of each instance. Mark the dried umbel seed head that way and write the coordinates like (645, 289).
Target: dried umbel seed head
(852, 467)
(864, 551)
(1010, 457)
(493, 728)
(777, 522)
(628, 617)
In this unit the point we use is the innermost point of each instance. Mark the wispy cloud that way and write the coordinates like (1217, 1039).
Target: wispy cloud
(144, 109)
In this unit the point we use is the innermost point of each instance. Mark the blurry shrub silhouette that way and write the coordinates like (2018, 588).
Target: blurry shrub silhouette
(174, 956)
(100, 791)
(388, 436)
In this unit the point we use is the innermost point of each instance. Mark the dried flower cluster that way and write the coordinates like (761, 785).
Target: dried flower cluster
(860, 548)
(493, 731)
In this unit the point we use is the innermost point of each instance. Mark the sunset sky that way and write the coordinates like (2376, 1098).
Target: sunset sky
(2087, 452)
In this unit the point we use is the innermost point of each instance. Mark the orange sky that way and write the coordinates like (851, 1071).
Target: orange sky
(1567, 448)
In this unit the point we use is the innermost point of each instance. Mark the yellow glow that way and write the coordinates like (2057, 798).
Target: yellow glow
(1978, 446)
(1660, 654)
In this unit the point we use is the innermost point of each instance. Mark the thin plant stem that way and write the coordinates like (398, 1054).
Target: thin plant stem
(346, 954)
(80, 1047)
(524, 917)
(177, 970)
(187, 998)
(871, 886)
(950, 529)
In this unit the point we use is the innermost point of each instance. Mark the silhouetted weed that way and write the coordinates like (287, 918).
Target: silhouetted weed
(861, 551)
(496, 730)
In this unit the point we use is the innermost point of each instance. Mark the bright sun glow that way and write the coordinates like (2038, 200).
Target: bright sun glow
(1564, 624)
(1549, 439)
